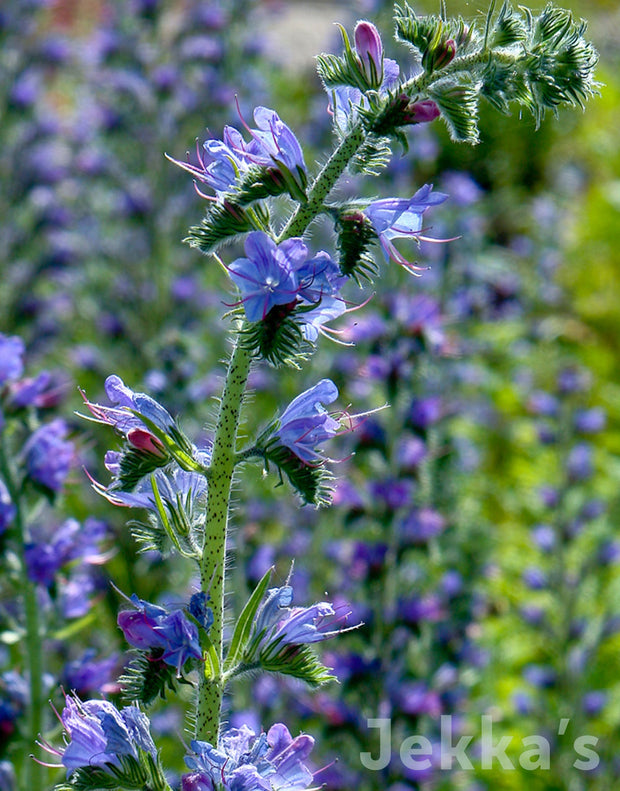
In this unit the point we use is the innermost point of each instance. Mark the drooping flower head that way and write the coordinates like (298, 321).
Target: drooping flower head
(243, 761)
(394, 218)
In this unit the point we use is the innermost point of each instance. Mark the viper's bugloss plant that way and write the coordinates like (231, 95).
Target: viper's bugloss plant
(283, 294)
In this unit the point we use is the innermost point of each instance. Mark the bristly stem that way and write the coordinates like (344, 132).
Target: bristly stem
(33, 771)
(324, 183)
(212, 567)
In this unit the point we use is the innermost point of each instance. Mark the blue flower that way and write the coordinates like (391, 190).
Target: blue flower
(267, 277)
(150, 627)
(176, 486)
(11, 358)
(305, 423)
(272, 144)
(394, 218)
(243, 761)
(279, 624)
(121, 415)
(49, 456)
(100, 734)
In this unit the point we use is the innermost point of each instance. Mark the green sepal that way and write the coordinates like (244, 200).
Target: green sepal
(134, 465)
(259, 183)
(243, 627)
(428, 37)
(277, 338)
(145, 773)
(458, 104)
(298, 661)
(147, 677)
(373, 156)
(311, 482)
(355, 235)
(175, 522)
(224, 222)
(508, 29)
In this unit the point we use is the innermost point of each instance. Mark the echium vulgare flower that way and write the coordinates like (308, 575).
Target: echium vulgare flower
(277, 623)
(171, 635)
(121, 415)
(102, 736)
(243, 761)
(283, 274)
(272, 144)
(305, 423)
(49, 455)
(11, 358)
(394, 218)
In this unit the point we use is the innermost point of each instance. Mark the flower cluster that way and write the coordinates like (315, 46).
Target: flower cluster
(272, 145)
(168, 636)
(243, 761)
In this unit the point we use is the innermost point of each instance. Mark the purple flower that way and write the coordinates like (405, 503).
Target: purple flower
(267, 278)
(305, 423)
(277, 623)
(579, 465)
(122, 418)
(243, 761)
(7, 508)
(100, 734)
(590, 421)
(11, 358)
(87, 674)
(48, 455)
(272, 144)
(188, 488)
(369, 48)
(152, 627)
(421, 525)
(68, 542)
(394, 218)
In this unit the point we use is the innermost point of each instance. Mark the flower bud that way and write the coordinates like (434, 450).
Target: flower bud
(369, 48)
(144, 440)
(421, 112)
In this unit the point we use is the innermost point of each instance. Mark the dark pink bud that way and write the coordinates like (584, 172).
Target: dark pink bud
(445, 55)
(369, 48)
(422, 112)
(143, 440)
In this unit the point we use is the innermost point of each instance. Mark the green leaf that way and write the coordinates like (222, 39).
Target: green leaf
(243, 628)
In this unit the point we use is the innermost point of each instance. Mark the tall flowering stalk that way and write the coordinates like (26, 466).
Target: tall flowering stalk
(285, 295)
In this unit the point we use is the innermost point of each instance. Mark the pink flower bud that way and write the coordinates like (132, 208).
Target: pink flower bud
(422, 112)
(144, 440)
(369, 48)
